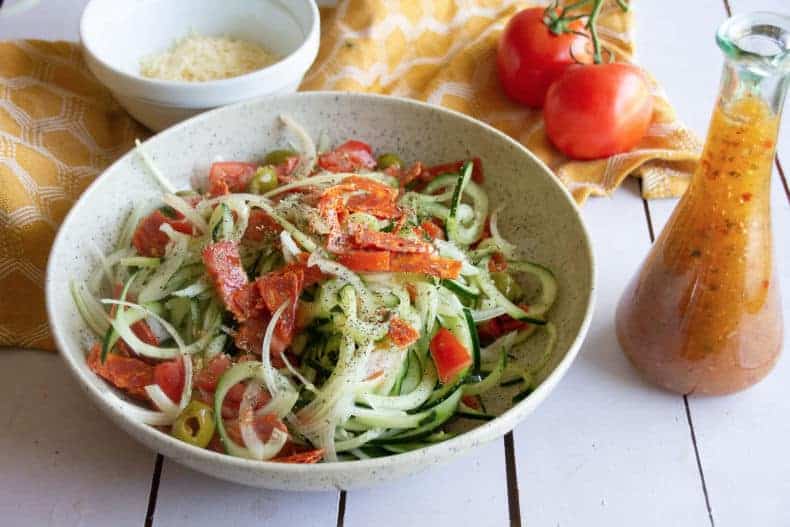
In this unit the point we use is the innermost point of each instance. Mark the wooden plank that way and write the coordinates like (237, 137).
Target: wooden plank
(607, 448)
(191, 499)
(61, 461)
(471, 490)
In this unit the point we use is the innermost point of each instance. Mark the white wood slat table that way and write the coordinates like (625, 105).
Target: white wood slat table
(605, 448)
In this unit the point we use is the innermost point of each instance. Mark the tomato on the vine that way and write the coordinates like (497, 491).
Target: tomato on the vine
(597, 110)
(531, 56)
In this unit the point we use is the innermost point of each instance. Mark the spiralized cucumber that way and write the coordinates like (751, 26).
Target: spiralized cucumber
(346, 383)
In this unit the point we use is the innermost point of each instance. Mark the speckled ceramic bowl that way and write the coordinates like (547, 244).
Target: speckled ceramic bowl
(539, 215)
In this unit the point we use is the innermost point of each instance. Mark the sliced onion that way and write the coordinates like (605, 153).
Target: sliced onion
(187, 211)
(162, 401)
(163, 182)
(290, 250)
(505, 247)
(309, 157)
(269, 375)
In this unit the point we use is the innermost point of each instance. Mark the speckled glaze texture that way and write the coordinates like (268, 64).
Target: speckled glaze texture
(538, 214)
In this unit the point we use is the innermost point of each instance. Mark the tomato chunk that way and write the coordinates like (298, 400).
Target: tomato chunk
(208, 377)
(365, 261)
(230, 176)
(449, 355)
(126, 373)
(148, 238)
(261, 226)
(348, 157)
(425, 263)
(169, 376)
(223, 264)
(401, 333)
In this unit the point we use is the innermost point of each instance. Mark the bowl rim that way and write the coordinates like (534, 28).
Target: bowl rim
(136, 83)
(482, 433)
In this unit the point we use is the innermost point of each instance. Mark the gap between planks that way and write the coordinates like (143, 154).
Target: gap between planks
(149, 515)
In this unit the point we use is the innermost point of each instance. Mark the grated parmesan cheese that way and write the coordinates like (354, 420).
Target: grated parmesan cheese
(197, 58)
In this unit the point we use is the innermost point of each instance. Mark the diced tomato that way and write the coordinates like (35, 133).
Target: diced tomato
(449, 355)
(230, 176)
(496, 327)
(126, 373)
(365, 261)
(208, 377)
(223, 264)
(497, 263)
(348, 157)
(453, 168)
(364, 238)
(434, 231)
(401, 333)
(311, 456)
(169, 376)
(261, 226)
(425, 263)
(471, 401)
(148, 238)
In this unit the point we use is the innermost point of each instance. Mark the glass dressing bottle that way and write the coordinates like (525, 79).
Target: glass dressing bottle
(703, 314)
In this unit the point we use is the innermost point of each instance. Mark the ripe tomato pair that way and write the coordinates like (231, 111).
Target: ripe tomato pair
(590, 110)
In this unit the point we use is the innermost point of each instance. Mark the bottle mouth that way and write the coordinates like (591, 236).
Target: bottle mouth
(761, 39)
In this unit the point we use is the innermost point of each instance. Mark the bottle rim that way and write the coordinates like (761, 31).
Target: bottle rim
(760, 38)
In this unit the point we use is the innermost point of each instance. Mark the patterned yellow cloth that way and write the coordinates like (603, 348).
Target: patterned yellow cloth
(59, 128)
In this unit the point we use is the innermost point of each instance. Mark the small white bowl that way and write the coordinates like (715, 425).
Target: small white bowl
(117, 34)
(538, 215)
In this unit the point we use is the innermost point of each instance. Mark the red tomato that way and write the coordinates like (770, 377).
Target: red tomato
(148, 238)
(530, 56)
(230, 176)
(170, 377)
(348, 157)
(208, 377)
(449, 355)
(598, 110)
(261, 226)
(365, 261)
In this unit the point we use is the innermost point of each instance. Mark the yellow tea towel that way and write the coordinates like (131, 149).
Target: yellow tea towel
(59, 128)
(443, 52)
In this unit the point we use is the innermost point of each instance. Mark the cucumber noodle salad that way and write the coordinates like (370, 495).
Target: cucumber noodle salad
(318, 305)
